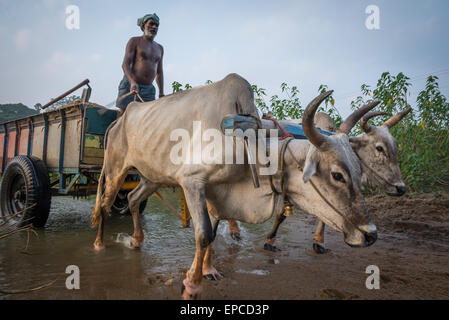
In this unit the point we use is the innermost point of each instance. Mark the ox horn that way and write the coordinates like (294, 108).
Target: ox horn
(396, 118)
(350, 121)
(311, 132)
(364, 121)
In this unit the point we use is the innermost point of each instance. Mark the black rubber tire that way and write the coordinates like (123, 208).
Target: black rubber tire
(44, 179)
(25, 183)
(121, 206)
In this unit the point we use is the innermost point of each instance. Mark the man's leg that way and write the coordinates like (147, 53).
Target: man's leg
(147, 92)
(122, 101)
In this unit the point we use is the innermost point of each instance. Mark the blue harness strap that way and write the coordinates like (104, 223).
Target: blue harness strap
(243, 122)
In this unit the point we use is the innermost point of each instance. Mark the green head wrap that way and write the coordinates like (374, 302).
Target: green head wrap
(141, 21)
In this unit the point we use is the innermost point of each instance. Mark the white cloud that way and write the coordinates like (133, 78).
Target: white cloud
(59, 63)
(49, 4)
(95, 57)
(123, 23)
(22, 40)
(52, 4)
(170, 68)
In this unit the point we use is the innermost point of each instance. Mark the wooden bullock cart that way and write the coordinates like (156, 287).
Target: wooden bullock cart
(59, 152)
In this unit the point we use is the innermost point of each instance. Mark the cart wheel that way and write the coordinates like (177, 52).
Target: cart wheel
(121, 206)
(25, 184)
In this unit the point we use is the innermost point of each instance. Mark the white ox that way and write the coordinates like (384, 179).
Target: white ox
(377, 150)
(322, 175)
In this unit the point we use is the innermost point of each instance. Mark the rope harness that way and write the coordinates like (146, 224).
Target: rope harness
(283, 192)
(375, 173)
(327, 201)
(277, 124)
(136, 94)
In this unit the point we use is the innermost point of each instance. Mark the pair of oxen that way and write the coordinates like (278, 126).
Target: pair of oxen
(321, 176)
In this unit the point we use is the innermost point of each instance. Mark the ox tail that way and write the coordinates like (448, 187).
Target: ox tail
(96, 213)
(98, 210)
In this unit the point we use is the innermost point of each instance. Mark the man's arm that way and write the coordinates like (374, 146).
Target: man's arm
(160, 75)
(128, 61)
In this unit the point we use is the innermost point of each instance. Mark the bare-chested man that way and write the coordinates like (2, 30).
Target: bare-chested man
(142, 64)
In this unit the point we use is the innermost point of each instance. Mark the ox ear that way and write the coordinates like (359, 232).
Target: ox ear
(356, 143)
(310, 167)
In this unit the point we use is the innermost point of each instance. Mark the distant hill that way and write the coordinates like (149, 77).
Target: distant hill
(11, 111)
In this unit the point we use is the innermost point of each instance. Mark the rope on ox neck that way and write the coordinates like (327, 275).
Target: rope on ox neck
(283, 191)
(375, 173)
(325, 199)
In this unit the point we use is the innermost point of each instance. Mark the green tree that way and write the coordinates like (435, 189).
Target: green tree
(64, 101)
(329, 106)
(38, 107)
(286, 107)
(177, 87)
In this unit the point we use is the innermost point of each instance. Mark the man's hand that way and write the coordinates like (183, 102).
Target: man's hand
(134, 87)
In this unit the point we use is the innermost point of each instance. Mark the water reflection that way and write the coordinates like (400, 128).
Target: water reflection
(117, 272)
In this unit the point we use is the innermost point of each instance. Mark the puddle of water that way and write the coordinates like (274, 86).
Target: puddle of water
(118, 271)
(256, 272)
(124, 239)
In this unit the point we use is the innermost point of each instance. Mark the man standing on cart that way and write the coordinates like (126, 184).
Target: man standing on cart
(141, 65)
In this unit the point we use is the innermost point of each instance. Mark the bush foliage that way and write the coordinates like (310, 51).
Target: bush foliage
(423, 135)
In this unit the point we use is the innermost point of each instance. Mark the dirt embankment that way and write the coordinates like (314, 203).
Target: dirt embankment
(412, 253)
(419, 216)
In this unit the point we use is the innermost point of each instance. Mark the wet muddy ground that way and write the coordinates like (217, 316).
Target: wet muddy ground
(412, 253)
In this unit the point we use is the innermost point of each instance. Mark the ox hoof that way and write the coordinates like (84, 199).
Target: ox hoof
(190, 292)
(98, 246)
(135, 243)
(270, 247)
(212, 274)
(236, 236)
(319, 249)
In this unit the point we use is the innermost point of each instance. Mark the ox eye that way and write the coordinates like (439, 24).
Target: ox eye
(338, 176)
(380, 149)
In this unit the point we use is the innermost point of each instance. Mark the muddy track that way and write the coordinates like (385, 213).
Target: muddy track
(412, 253)
(420, 216)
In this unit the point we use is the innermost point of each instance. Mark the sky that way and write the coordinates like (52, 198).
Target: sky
(302, 43)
